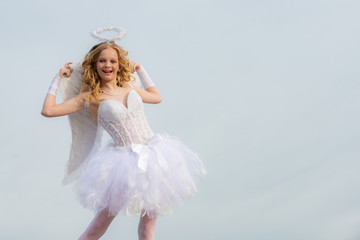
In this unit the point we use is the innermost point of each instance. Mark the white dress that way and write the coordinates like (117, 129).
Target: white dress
(139, 172)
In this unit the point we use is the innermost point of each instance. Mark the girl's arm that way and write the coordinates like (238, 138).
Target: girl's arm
(50, 108)
(151, 93)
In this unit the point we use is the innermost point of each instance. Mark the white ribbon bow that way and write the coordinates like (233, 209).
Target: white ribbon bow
(144, 152)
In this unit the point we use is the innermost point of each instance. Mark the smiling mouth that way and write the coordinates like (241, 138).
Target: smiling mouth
(107, 72)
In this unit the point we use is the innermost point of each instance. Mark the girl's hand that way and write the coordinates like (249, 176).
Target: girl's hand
(66, 70)
(134, 66)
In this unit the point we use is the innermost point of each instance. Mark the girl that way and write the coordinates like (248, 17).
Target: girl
(139, 172)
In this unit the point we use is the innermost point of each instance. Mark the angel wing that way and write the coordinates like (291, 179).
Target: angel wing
(85, 135)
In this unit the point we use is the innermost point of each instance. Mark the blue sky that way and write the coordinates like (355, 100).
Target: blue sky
(267, 93)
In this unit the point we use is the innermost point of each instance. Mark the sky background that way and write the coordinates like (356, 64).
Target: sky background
(266, 92)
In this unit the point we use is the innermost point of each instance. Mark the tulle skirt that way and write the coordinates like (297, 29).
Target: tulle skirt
(140, 179)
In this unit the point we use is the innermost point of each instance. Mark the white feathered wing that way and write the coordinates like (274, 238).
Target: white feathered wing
(86, 138)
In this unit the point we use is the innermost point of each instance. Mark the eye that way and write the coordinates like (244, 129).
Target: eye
(114, 61)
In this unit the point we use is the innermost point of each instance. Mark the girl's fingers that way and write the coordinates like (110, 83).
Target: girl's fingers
(67, 65)
(65, 72)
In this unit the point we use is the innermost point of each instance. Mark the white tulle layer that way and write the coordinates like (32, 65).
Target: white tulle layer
(141, 179)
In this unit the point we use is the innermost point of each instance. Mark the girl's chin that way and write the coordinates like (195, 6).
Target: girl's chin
(108, 78)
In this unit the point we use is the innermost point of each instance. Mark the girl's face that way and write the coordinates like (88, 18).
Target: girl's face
(107, 64)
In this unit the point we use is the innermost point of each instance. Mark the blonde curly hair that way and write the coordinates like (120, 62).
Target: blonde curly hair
(90, 82)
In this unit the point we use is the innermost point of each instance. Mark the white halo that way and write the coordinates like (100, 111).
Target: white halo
(121, 33)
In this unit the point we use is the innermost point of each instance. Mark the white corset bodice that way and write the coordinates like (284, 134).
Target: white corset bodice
(128, 125)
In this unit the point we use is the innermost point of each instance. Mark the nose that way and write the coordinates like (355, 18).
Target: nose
(107, 64)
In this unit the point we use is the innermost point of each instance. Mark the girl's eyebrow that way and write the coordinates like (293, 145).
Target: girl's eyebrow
(103, 58)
